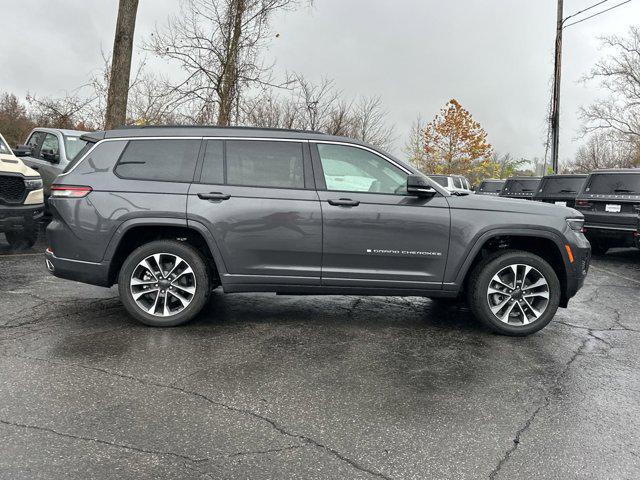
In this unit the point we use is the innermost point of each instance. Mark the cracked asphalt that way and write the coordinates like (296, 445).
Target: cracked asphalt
(264, 386)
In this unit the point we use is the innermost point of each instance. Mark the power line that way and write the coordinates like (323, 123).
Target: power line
(596, 14)
(584, 10)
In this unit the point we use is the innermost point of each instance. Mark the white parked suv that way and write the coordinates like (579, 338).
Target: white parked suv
(453, 183)
(21, 200)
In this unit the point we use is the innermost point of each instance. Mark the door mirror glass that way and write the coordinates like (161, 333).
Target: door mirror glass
(418, 186)
(22, 151)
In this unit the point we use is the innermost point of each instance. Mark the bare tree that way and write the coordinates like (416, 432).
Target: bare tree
(620, 75)
(116, 113)
(368, 123)
(414, 146)
(15, 121)
(605, 150)
(217, 43)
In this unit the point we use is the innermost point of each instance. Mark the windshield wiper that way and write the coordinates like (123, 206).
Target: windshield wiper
(625, 190)
(459, 194)
(564, 190)
(526, 190)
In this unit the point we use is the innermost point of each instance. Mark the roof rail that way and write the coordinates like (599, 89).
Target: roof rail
(231, 127)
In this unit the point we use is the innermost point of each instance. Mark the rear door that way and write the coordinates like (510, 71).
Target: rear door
(374, 234)
(257, 198)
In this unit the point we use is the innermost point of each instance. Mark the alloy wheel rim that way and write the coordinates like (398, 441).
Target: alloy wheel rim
(518, 294)
(163, 284)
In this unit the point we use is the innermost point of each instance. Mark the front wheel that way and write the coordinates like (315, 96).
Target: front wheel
(22, 240)
(164, 283)
(514, 292)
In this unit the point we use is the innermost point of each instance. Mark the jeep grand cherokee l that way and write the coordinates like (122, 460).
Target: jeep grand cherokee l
(169, 213)
(21, 204)
(610, 202)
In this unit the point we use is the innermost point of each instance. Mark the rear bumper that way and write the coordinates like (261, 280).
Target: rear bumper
(20, 217)
(79, 271)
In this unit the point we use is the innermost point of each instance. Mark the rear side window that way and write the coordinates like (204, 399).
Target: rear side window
(87, 146)
(159, 160)
(614, 184)
(213, 167)
(493, 187)
(440, 181)
(100, 160)
(258, 163)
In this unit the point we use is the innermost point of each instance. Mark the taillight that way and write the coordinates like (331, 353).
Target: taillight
(583, 204)
(70, 191)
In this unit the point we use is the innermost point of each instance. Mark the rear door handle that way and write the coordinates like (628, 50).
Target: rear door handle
(344, 202)
(214, 196)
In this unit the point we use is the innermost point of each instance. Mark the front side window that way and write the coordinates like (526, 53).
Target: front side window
(263, 163)
(35, 139)
(159, 160)
(352, 169)
(50, 150)
(457, 182)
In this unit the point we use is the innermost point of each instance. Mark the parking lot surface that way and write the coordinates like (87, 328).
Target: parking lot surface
(264, 386)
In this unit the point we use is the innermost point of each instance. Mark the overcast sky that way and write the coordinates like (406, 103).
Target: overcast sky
(494, 56)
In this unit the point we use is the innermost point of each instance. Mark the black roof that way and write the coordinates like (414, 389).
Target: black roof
(617, 170)
(567, 175)
(523, 177)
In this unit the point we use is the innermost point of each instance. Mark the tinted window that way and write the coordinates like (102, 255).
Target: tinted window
(457, 182)
(492, 187)
(353, 169)
(563, 185)
(522, 186)
(614, 184)
(100, 160)
(87, 146)
(162, 160)
(50, 149)
(265, 164)
(4, 149)
(213, 167)
(441, 181)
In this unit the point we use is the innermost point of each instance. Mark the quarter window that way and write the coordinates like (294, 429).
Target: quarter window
(258, 163)
(352, 169)
(160, 160)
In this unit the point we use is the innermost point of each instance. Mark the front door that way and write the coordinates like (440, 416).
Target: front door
(45, 157)
(257, 199)
(374, 234)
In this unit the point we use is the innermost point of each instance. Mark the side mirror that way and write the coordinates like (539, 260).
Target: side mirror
(417, 185)
(22, 151)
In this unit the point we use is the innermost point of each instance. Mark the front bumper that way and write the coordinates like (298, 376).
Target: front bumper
(20, 217)
(79, 271)
(578, 269)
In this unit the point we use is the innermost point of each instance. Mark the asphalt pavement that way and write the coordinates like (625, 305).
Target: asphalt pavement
(263, 386)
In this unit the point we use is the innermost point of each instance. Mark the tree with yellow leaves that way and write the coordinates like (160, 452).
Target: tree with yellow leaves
(454, 143)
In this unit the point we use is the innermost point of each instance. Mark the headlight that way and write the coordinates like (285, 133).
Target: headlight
(33, 183)
(576, 224)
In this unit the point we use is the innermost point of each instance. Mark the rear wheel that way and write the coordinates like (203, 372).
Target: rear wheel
(22, 240)
(599, 247)
(514, 292)
(164, 283)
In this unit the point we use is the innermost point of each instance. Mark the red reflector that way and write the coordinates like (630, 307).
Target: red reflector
(582, 203)
(70, 191)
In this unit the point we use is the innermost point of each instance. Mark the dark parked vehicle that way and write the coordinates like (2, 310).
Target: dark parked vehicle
(560, 189)
(520, 187)
(170, 213)
(49, 151)
(610, 202)
(490, 187)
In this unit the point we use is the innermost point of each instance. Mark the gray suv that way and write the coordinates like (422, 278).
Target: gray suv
(170, 213)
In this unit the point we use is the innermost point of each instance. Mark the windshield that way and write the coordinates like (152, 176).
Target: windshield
(4, 148)
(440, 181)
(523, 185)
(492, 187)
(614, 184)
(72, 146)
(562, 185)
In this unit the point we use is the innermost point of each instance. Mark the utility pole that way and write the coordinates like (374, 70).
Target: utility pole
(555, 102)
(118, 94)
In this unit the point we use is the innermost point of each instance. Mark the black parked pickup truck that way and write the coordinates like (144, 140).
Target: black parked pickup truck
(560, 189)
(520, 187)
(610, 202)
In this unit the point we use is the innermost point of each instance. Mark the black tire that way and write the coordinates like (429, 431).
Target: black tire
(599, 247)
(23, 240)
(200, 271)
(481, 276)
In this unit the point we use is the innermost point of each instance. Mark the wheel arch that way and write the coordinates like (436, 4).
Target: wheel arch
(136, 232)
(546, 244)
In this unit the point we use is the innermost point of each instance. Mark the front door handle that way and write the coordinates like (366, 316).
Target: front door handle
(344, 202)
(214, 196)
